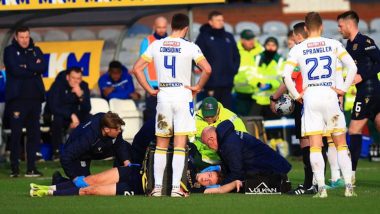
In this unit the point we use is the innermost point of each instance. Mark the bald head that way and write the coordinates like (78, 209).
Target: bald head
(209, 137)
(160, 25)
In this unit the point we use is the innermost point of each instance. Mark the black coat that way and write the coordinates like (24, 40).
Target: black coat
(219, 48)
(24, 78)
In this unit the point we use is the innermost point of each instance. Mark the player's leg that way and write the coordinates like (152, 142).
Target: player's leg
(164, 130)
(103, 190)
(184, 125)
(332, 155)
(318, 163)
(110, 176)
(377, 122)
(355, 132)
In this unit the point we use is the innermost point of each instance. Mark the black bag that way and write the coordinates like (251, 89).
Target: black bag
(260, 183)
(147, 171)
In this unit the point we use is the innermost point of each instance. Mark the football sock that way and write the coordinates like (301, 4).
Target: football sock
(308, 179)
(65, 185)
(63, 192)
(318, 165)
(178, 164)
(332, 156)
(355, 149)
(345, 163)
(159, 165)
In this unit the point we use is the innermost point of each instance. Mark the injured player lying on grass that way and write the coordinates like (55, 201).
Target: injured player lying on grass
(128, 181)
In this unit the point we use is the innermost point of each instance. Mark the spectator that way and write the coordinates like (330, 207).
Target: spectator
(267, 80)
(160, 28)
(69, 103)
(211, 114)
(219, 48)
(248, 48)
(24, 65)
(117, 83)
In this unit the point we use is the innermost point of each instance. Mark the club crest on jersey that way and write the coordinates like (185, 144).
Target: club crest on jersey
(368, 41)
(16, 114)
(366, 100)
(355, 47)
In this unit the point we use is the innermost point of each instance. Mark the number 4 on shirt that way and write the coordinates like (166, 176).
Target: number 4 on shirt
(170, 66)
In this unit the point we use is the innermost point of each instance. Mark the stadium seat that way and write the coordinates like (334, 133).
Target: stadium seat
(35, 36)
(330, 27)
(127, 110)
(375, 36)
(363, 26)
(83, 34)
(195, 30)
(247, 25)
(56, 35)
(291, 25)
(375, 25)
(131, 44)
(275, 27)
(107, 57)
(127, 57)
(110, 37)
(98, 105)
(138, 29)
(228, 27)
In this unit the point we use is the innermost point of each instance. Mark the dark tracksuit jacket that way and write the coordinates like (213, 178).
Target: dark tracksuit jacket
(241, 153)
(87, 143)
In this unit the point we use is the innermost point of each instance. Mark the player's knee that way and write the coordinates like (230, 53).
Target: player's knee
(354, 130)
(91, 180)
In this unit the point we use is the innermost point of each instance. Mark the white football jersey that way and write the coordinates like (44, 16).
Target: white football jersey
(173, 62)
(318, 59)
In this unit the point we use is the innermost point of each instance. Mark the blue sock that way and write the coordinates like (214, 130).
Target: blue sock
(65, 185)
(72, 191)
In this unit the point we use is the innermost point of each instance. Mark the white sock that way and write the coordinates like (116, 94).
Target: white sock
(159, 165)
(178, 164)
(345, 164)
(318, 165)
(332, 156)
(53, 187)
(353, 173)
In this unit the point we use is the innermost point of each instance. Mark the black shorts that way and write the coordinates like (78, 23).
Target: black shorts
(365, 107)
(130, 181)
(78, 168)
(297, 118)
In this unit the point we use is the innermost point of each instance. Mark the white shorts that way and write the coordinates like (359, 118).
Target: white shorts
(175, 118)
(321, 114)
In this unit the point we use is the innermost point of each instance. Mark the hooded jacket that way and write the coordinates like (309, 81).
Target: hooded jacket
(86, 142)
(24, 78)
(241, 153)
(219, 48)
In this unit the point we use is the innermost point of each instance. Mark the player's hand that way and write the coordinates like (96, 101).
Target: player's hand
(126, 162)
(194, 89)
(338, 91)
(135, 96)
(77, 91)
(238, 185)
(38, 61)
(153, 92)
(74, 121)
(357, 79)
(272, 106)
(300, 98)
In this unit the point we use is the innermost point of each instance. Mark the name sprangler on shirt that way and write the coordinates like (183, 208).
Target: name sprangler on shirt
(317, 50)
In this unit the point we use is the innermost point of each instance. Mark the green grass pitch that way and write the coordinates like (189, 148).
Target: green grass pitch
(14, 197)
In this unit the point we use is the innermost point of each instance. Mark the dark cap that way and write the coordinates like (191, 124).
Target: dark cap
(271, 39)
(209, 107)
(247, 34)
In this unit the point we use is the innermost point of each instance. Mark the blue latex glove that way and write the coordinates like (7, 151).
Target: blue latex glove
(267, 86)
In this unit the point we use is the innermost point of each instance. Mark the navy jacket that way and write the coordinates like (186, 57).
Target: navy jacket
(23, 72)
(86, 142)
(61, 101)
(367, 58)
(241, 153)
(219, 48)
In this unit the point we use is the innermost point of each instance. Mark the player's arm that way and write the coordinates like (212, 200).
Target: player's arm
(225, 188)
(348, 63)
(287, 76)
(203, 64)
(138, 71)
(373, 52)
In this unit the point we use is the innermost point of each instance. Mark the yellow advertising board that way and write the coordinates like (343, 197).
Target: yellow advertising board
(72, 4)
(62, 55)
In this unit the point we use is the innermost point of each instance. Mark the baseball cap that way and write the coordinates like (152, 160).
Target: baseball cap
(209, 107)
(247, 34)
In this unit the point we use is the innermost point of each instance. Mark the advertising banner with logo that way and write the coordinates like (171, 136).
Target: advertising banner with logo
(63, 55)
(72, 4)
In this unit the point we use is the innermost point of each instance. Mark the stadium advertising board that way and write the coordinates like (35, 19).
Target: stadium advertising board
(62, 55)
(72, 4)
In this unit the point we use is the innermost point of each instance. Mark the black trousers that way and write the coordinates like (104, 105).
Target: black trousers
(24, 113)
(222, 94)
(150, 107)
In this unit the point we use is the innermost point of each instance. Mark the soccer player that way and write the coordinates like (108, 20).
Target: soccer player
(173, 58)
(367, 102)
(127, 181)
(317, 57)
